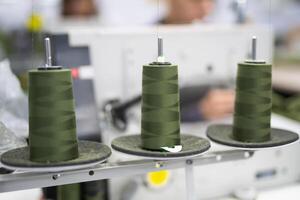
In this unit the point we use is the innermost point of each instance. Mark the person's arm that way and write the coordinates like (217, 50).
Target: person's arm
(205, 104)
(217, 104)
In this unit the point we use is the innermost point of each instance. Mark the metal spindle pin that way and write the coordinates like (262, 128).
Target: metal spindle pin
(160, 47)
(160, 57)
(254, 47)
(48, 52)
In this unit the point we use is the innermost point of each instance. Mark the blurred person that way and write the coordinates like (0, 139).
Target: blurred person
(79, 8)
(206, 11)
(141, 12)
(209, 104)
(188, 11)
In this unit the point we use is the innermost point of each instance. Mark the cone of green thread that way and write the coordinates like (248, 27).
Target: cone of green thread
(94, 190)
(160, 107)
(69, 192)
(287, 106)
(52, 123)
(253, 105)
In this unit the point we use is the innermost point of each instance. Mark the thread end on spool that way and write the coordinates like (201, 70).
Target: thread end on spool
(175, 149)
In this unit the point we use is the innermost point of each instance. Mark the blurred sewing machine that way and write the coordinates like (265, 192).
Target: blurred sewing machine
(205, 55)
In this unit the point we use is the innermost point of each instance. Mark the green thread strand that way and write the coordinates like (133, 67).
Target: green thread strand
(52, 122)
(253, 105)
(160, 107)
(69, 192)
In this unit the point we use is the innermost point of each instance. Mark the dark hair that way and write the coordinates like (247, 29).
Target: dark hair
(79, 8)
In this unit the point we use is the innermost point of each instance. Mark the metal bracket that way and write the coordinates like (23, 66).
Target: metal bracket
(29, 180)
(189, 180)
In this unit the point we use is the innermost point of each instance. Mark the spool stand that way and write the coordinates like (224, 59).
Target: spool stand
(22, 180)
(252, 131)
(53, 144)
(160, 136)
(27, 180)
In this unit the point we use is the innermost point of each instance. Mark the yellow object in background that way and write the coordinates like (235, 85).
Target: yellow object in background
(158, 179)
(35, 23)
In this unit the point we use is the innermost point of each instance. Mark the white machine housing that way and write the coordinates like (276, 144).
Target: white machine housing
(205, 54)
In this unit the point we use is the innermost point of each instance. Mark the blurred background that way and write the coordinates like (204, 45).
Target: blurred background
(98, 39)
(24, 21)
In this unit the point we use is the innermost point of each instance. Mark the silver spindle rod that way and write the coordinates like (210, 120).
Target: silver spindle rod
(160, 47)
(48, 52)
(254, 47)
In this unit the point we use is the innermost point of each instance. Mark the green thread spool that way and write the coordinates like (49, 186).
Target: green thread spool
(160, 107)
(251, 128)
(287, 106)
(293, 108)
(52, 122)
(253, 106)
(94, 190)
(160, 136)
(69, 192)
